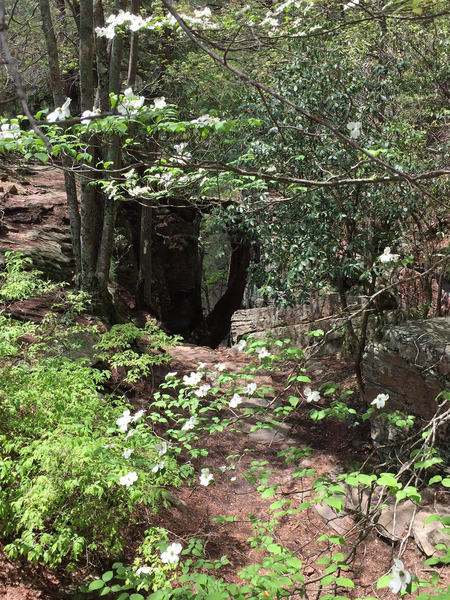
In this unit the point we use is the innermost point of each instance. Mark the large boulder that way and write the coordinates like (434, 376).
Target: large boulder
(35, 221)
(320, 312)
(411, 364)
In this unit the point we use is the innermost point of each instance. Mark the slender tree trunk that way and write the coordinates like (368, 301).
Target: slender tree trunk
(134, 44)
(102, 62)
(113, 155)
(218, 321)
(58, 97)
(89, 207)
(144, 287)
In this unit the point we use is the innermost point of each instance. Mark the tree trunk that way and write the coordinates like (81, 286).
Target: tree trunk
(218, 322)
(58, 97)
(134, 44)
(144, 286)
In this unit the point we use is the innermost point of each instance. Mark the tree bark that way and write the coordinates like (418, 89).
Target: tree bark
(134, 45)
(144, 286)
(58, 98)
(218, 322)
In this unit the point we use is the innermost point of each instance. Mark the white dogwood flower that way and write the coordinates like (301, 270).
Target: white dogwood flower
(205, 477)
(249, 389)
(311, 395)
(387, 256)
(158, 467)
(190, 424)
(143, 571)
(235, 401)
(128, 479)
(130, 103)
(60, 113)
(241, 345)
(192, 379)
(127, 453)
(380, 400)
(220, 367)
(262, 353)
(354, 128)
(203, 390)
(9, 131)
(400, 577)
(139, 190)
(170, 375)
(161, 449)
(171, 554)
(159, 103)
(123, 421)
(87, 115)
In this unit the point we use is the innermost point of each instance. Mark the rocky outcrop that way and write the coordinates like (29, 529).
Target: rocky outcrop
(34, 221)
(411, 364)
(320, 312)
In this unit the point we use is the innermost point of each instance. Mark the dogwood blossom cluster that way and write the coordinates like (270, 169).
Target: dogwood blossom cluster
(128, 479)
(205, 120)
(203, 390)
(311, 395)
(127, 418)
(9, 131)
(130, 103)
(161, 448)
(87, 115)
(387, 256)
(351, 4)
(192, 379)
(158, 467)
(205, 477)
(380, 400)
(181, 156)
(400, 577)
(125, 20)
(172, 554)
(143, 571)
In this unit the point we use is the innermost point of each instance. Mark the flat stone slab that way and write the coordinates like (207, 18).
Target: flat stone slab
(429, 535)
(341, 523)
(395, 521)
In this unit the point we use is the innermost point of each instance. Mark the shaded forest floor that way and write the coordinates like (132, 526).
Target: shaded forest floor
(334, 447)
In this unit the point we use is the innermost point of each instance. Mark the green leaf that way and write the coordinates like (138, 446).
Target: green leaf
(337, 503)
(446, 482)
(107, 576)
(432, 519)
(96, 585)
(435, 479)
(269, 492)
(345, 582)
(42, 157)
(384, 581)
(328, 579)
(137, 597)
